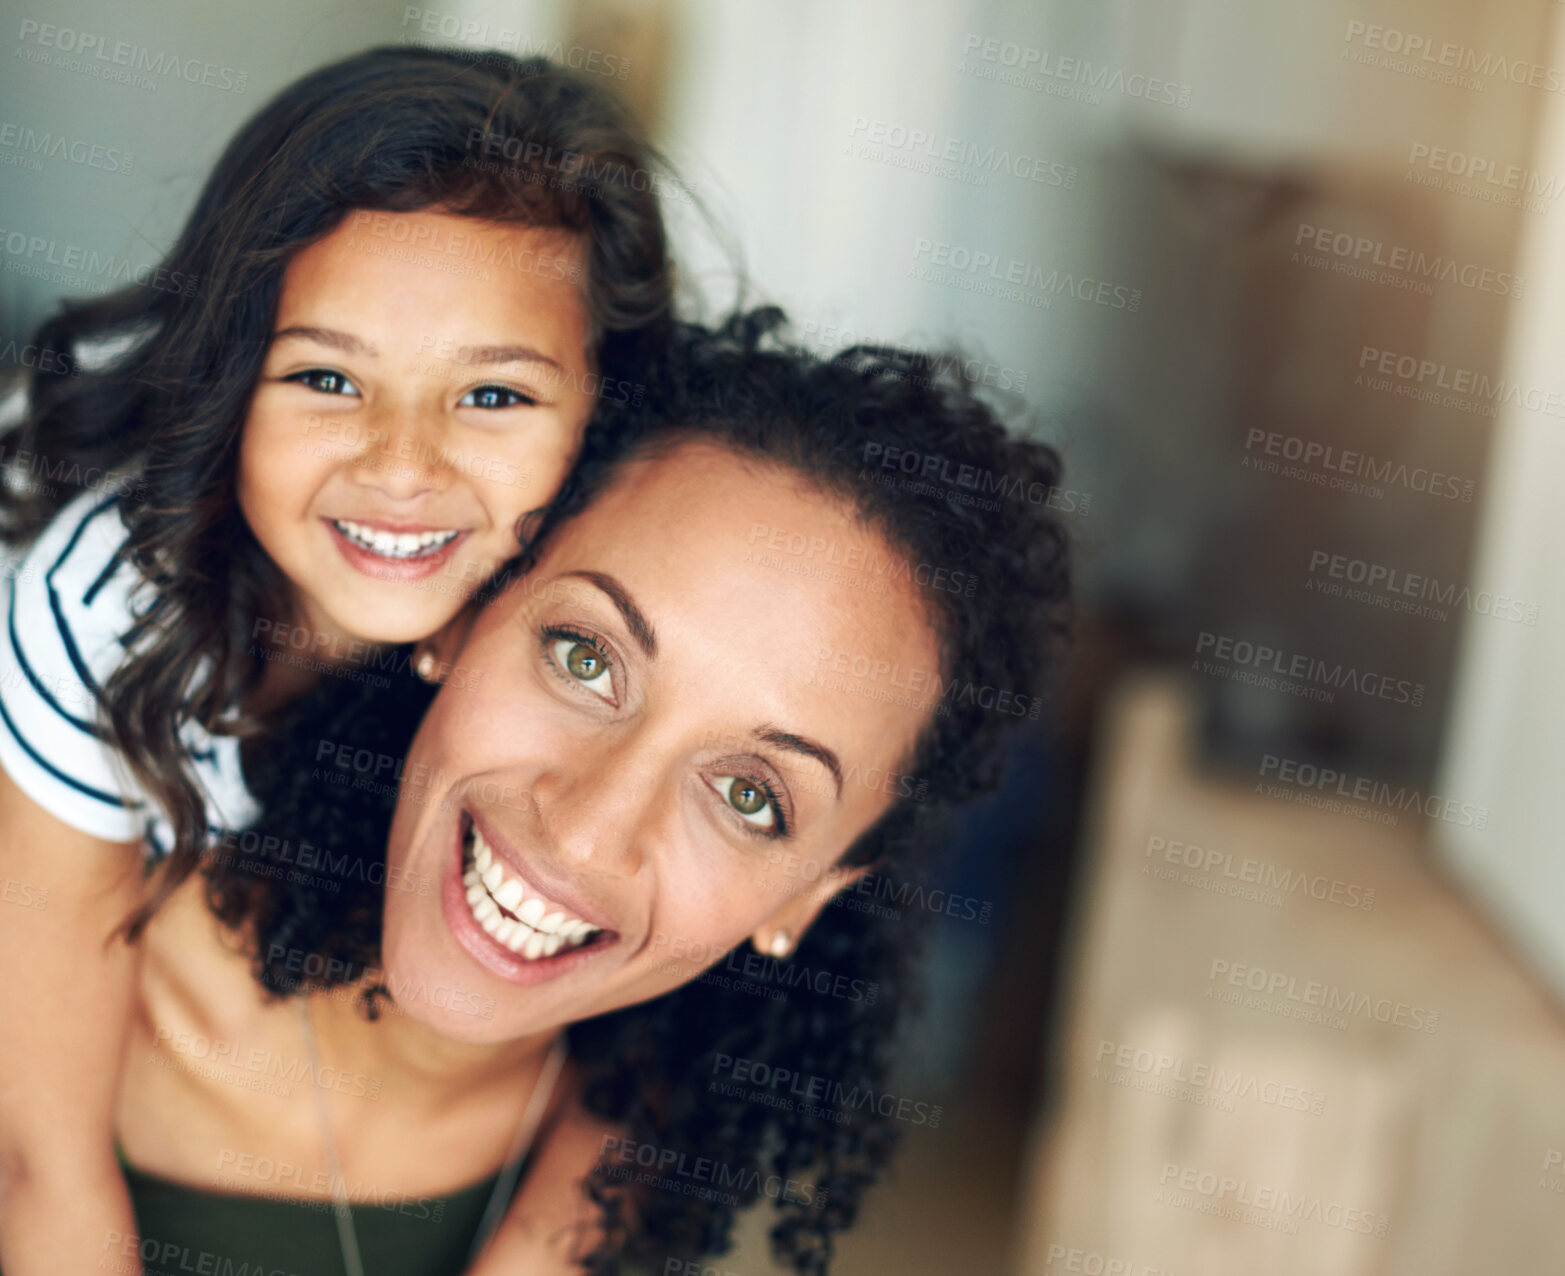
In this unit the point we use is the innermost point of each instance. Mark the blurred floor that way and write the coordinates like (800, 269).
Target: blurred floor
(946, 1209)
(1449, 1141)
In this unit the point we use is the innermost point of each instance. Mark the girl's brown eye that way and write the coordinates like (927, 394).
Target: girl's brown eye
(325, 381)
(492, 397)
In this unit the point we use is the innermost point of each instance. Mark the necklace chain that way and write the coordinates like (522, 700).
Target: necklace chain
(505, 1184)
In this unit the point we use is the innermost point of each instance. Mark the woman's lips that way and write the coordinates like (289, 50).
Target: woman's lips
(489, 951)
(371, 548)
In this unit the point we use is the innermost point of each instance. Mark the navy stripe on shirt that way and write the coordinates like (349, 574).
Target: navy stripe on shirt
(82, 671)
(81, 724)
(112, 799)
(84, 725)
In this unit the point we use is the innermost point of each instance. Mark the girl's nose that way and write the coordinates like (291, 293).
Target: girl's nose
(401, 457)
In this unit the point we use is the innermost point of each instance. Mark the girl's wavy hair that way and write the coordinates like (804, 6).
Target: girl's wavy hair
(827, 1015)
(391, 129)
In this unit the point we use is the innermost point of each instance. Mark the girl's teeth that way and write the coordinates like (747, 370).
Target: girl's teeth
(392, 544)
(501, 905)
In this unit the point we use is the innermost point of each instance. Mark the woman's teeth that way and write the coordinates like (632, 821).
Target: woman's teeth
(526, 923)
(393, 544)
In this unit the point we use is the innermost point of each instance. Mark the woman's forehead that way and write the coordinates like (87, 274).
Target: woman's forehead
(740, 561)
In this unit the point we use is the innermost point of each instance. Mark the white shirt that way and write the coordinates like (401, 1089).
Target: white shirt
(65, 605)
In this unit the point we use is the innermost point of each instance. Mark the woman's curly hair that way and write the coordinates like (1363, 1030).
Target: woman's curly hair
(652, 1069)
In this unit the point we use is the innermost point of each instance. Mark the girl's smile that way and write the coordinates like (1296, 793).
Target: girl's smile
(386, 550)
(409, 415)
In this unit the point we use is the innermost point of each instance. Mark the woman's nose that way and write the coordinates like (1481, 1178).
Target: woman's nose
(595, 811)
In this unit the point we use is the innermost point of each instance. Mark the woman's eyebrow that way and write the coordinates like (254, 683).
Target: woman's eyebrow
(640, 627)
(809, 748)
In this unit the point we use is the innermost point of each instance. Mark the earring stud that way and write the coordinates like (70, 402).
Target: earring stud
(426, 666)
(781, 945)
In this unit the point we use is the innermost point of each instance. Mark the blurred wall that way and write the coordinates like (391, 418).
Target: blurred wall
(157, 131)
(1505, 739)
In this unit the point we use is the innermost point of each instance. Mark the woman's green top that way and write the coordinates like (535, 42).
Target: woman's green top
(191, 1230)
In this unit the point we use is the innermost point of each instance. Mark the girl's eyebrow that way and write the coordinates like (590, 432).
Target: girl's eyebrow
(348, 343)
(344, 341)
(507, 354)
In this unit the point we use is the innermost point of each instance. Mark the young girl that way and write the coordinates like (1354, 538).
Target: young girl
(318, 430)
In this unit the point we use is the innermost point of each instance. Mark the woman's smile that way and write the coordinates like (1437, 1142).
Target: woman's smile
(651, 697)
(506, 922)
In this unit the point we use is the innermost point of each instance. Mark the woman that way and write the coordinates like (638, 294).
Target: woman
(741, 672)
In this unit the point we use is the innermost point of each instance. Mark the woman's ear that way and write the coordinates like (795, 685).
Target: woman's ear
(435, 656)
(782, 931)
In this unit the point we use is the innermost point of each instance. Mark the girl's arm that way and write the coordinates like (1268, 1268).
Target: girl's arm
(65, 1003)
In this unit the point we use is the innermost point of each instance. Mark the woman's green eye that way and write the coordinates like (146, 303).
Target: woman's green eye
(748, 798)
(585, 664)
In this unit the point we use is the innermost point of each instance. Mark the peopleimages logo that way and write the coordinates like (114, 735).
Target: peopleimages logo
(1163, 1067)
(120, 59)
(1297, 674)
(1338, 468)
(1449, 56)
(759, 1081)
(666, 1167)
(1481, 177)
(1298, 1207)
(940, 262)
(22, 145)
(922, 145)
(77, 266)
(1404, 591)
(1091, 1262)
(1285, 994)
(1358, 255)
(1063, 75)
(1429, 381)
(1266, 877)
(1324, 786)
